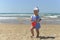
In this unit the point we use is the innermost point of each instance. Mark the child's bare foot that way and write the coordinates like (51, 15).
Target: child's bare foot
(32, 36)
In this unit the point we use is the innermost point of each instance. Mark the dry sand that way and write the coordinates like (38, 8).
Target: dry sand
(22, 32)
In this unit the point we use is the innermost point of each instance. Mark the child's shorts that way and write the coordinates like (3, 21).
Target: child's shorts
(37, 25)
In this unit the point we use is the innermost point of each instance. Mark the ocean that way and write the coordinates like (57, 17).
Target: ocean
(20, 18)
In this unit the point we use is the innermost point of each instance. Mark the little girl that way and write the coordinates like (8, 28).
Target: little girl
(35, 22)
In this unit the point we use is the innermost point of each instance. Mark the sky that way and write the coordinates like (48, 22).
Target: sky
(27, 6)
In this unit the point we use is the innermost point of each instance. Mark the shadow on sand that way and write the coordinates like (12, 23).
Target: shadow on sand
(44, 37)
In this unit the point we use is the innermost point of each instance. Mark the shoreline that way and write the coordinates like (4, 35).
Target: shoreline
(25, 20)
(28, 22)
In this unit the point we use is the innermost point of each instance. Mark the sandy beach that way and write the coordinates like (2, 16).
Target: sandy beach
(22, 32)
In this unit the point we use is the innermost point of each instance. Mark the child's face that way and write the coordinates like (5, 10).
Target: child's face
(36, 12)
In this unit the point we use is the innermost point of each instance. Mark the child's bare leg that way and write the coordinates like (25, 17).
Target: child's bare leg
(37, 31)
(32, 31)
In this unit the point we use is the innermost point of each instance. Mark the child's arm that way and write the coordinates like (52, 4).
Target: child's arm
(39, 20)
(31, 19)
